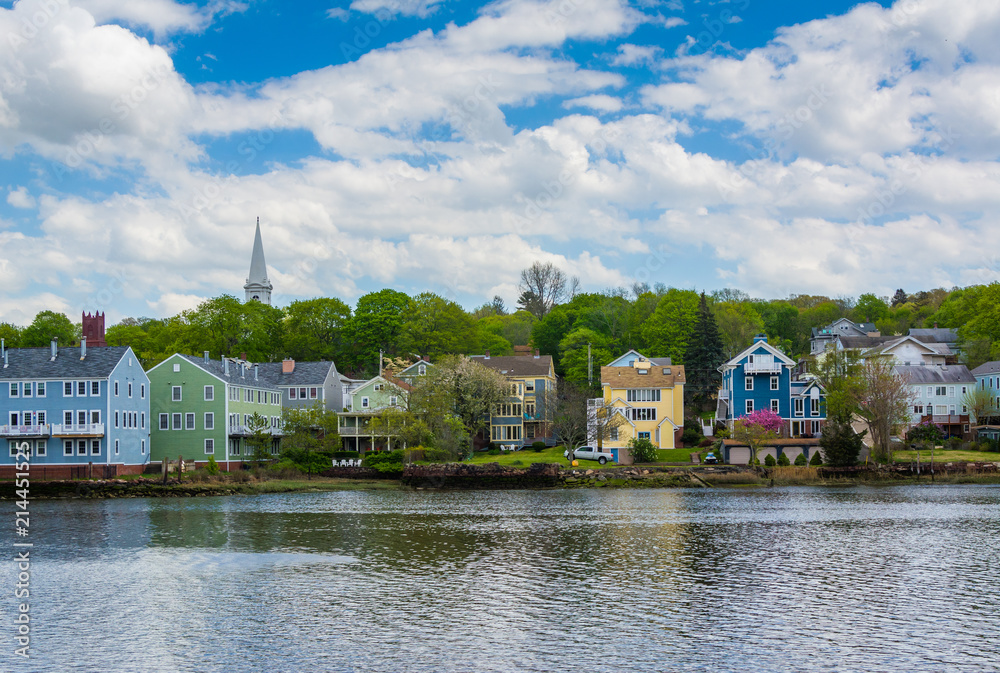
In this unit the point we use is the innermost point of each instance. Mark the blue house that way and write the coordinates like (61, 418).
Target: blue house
(760, 378)
(83, 412)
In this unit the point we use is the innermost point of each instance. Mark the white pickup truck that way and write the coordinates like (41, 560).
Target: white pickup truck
(602, 456)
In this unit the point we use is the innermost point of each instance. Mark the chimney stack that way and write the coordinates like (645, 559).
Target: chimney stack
(536, 353)
(256, 377)
(83, 347)
(55, 348)
(487, 355)
(207, 358)
(225, 366)
(935, 326)
(3, 347)
(287, 366)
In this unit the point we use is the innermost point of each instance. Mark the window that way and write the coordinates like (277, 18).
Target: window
(209, 393)
(644, 371)
(95, 388)
(176, 421)
(116, 389)
(116, 447)
(189, 421)
(774, 406)
(312, 393)
(142, 446)
(95, 447)
(41, 418)
(364, 402)
(142, 420)
(67, 389)
(292, 392)
(643, 413)
(614, 434)
(302, 391)
(234, 447)
(951, 391)
(941, 391)
(26, 392)
(176, 394)
(13, 447)
(209, 420)
(40, 447)
(130, 389)
(68, 447)
(799, 406)
(529, 386)
(774, 383)
(81, 388)
(247, 395)
(95, 416)
(13, 418)
(642, 395)
(814, 411)
(421, 370)
(68, 418)
(81, 418)
(918, 409)
(392, 400)
(177, 367)
(209, 446)
(917, 393)
(81, 447)
(13, 390)
(930, 391)
(643, 435)
(40, 391)
(749, 407)
(164, 421)
(748, 383)
(116, 419)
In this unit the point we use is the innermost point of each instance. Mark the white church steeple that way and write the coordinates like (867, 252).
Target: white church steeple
(258, 287)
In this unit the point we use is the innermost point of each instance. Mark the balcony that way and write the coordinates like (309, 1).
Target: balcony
(25, 430)
(78, 430)
(762, 367)
(532, 417)
(244, 431)
(723, 394)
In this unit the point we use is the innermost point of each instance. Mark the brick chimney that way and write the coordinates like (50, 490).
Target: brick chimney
(487, 356)
(287, 366)
(537, 353)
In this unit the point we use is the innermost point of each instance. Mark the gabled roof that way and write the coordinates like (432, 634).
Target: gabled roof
(931, 374)
(992, 367)
(805, 386)
(401, 385)
(36, 363)
(753, 347)
(625, 360)
(935, 334)
(215, 367)
(304, 373)
(850, 342)
(629, 377)
(415, 367)
(517, 365)
(889, 346)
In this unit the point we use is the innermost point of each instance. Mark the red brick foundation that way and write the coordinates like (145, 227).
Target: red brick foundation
(43, 472)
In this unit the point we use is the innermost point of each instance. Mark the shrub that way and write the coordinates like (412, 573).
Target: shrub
(817, 459)
(841, 445)
(643, 450)
(783, 460)
(538, 447)
(800, 459)
(437, 456)
(705, 443)
(722, 432)
(345, 455)
(384, 461)
(770, 461)
(213, 467)
(954, 443)
(494, 452)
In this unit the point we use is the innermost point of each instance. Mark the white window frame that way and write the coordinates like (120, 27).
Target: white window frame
(210, 420)
(814, 407)
(749, 407)
(209, 393)
(95, 384)
(176, 421)
(81, 384)
(190, 421)
(164, 421)
(364, 402)
(775, 383)
(748, 383)
(776, 406)
(176, 394)
(40, 390)
(800, 407)
(209, 446)
(68, 385)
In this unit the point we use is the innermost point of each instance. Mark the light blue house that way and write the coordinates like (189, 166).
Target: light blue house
(82, 412)
(760, 377)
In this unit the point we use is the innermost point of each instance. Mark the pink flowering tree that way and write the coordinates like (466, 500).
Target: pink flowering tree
(757, 429)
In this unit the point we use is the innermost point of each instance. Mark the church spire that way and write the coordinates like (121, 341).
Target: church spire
(258, 287)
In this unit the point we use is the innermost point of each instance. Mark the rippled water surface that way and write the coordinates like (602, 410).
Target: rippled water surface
(797, 579)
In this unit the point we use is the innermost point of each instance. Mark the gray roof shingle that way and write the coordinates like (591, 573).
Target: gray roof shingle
(916, 374)
(992, 367)
(517, 365)
(304, 374)
(36, 363)
(216, 368)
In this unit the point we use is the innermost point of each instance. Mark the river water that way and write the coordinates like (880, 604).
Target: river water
(785, 579)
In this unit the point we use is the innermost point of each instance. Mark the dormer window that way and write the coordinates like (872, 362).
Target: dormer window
(666, 371)
(643, 371)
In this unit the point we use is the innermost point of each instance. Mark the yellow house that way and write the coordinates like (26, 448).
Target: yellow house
(649, 394)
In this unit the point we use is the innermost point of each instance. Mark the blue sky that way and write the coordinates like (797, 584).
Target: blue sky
(779, 147)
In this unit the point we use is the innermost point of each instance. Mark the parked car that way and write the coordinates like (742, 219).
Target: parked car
(602, 456)
(711, 459)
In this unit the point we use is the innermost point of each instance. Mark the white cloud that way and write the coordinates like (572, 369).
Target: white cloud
(599, 102)
(161, 16)
(20, 198)
(632, 54)
(421, 8)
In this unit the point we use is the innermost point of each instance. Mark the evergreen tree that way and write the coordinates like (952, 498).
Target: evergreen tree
(703, 357)
(899, 298)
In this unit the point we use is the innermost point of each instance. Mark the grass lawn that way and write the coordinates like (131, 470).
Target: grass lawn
(526, 457)
(948, 456)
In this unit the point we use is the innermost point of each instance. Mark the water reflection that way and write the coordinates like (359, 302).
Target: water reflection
(869, 579)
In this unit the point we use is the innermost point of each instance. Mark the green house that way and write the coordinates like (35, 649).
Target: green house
(369, 399)
(201, 407)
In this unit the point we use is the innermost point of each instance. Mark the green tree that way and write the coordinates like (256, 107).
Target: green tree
(435, 326)
(11, 335)
(667, 331)
(981, 405)
(841, 444)
(376, 325)
(871, 308)
(882, 398)
(259, 439)
(316, 329)
(573, 354)
(642, 450)
(46, 326)
(738, 323)
(704, 356)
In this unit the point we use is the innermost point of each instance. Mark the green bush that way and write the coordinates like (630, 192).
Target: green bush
(643, 450)
(494, 452)
(344, 455)
(384, 461)
(538, 447)
(783, 460)
(212, 467)
(769, 460)
(816, 460)
(800, 459)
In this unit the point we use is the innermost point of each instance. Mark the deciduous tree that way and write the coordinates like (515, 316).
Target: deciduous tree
(882, 398)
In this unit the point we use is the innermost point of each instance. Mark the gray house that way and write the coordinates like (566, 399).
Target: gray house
(302, 384)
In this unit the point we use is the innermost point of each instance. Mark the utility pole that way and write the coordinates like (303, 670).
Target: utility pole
(380, 362)
(590, 368)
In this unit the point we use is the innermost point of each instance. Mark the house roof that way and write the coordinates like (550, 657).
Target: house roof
(935, 348)
(935, 334)
(754, 346)
(992, 367)
(304, 373)
(662, 362)
(848, 342)
(217, 369)
(629, 377)
(917, 374)
(36, 363)
(517, 365)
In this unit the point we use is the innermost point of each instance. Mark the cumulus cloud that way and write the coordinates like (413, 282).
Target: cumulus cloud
(160, 16)
(20, 198)
(633, 54)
